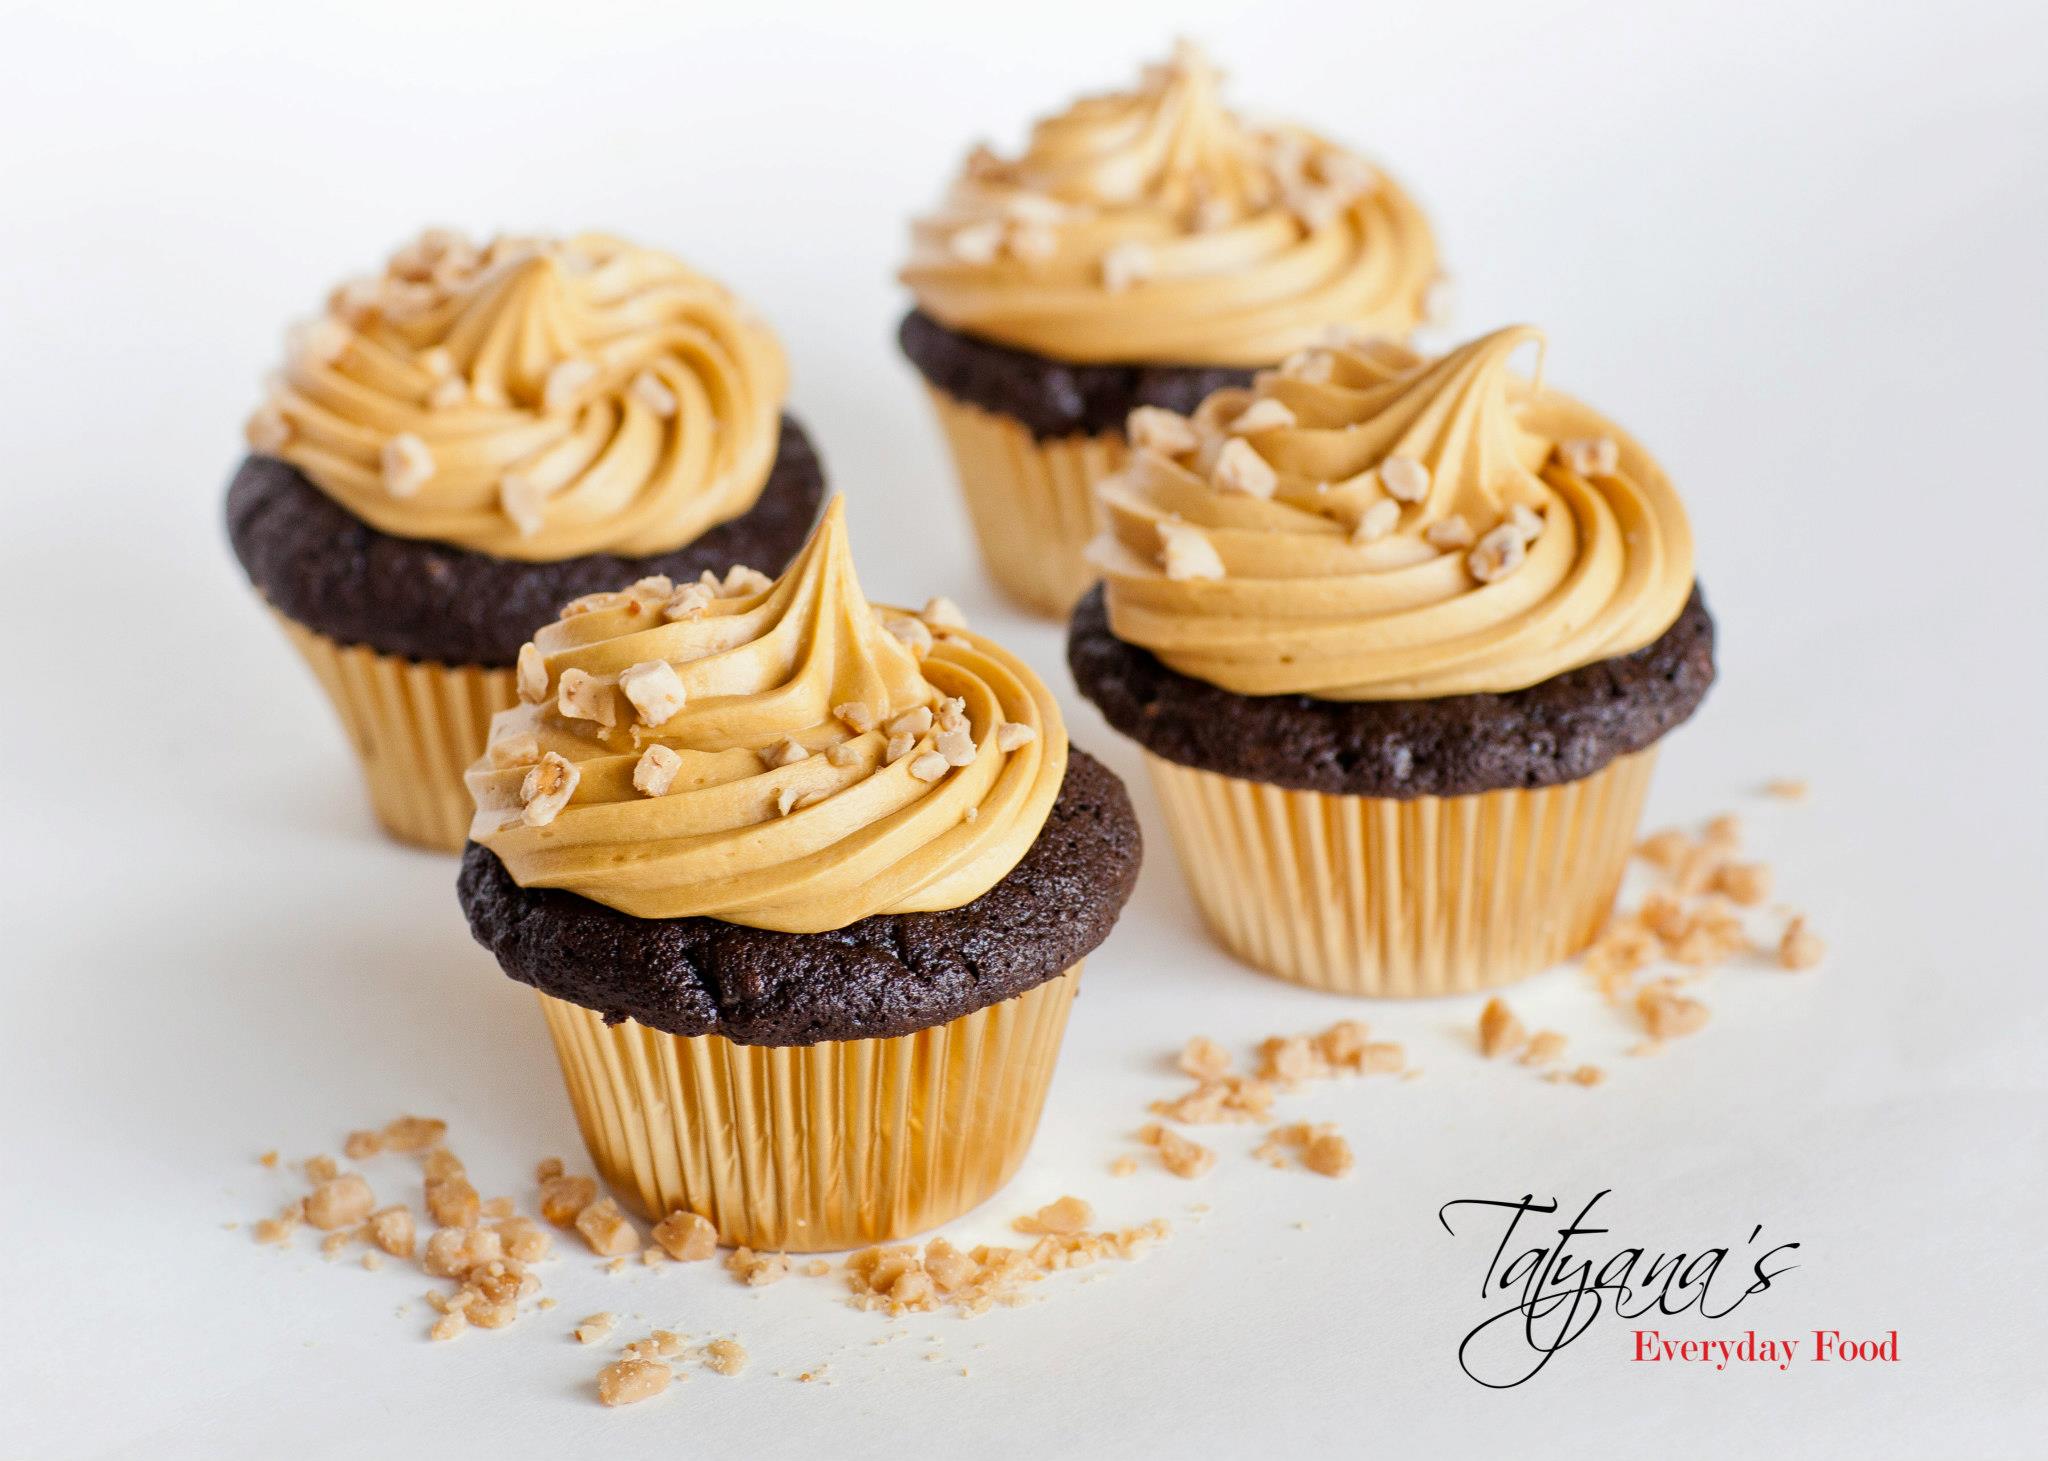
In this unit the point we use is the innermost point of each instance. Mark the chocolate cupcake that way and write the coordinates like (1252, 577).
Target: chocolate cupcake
(1399, 638)
(1146, 248)
(459, 445)
(805, 887)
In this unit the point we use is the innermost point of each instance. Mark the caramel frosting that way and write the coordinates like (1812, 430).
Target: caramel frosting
(1155, 227)
(532, 398)
(781, 755)
(1365, 524)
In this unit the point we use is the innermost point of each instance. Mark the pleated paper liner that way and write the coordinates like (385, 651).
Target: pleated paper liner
(1032, 502)
(415, 728)
(813, 1147)
(1430, 896)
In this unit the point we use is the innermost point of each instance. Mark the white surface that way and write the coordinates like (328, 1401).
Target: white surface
(1795, 247)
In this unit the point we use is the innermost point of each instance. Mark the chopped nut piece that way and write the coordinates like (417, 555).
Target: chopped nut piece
(1180, 1156)
(339, 1202)
(654, 688)
(452, 1202)
(1591, 456)
(686, 1237)
(1154, 428)
(1800, 948)
(1126, 265)
(524, 500)
(1526, 521)
(741, 581)
(414, 1133)
(1013, 735)
(942, 613)
(1668, 1014)
(785, 752)
(726, 1356)
(1123, 1167)
(581, 695)
(1746, 883)
(268, 1159)
(1066, 1215)
(607, 1230)
(1449, 532)
(1790, 789)
(273, 1230)
(899, 746)
(1264, 414)
(655, 772)
(956, 747)
(688, 602)
(566, 380)
(448, 1326)
(440, 1164)
(1240, 468)
(1544, 1047)
(1344, 1045)
(1186, 553)
(523, 1239)
(1497, 554)
(1291, 1059)
(977, 243)
(1404, 479)
(521, 748)
(1203, 1058)
(321, 1169)
(856, 717)
(1327, 1154)
(913, 722)
(630, 1381)
(594, 1328)
(930, 766)
(1588, 1075)
(1229, 1098)
(455, 1252)
(562, 1199)
(547, 789)
(392, 1230)
(649, 391)
(407, 464)
(532, 674)
(362, 1144)
(915, 634)
(548, 1169)
(757, 1270)
(1499, 1029)
(1378, 520)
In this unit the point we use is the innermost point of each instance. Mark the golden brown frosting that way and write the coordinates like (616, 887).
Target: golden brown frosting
(532, 399)
(780, 755)
(1367, 525)
(1154, 226)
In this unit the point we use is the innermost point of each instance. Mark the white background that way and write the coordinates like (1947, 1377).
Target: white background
(1795, 247)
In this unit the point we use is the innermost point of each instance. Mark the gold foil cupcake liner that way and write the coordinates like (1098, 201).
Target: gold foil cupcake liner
(415, 728)
(1032, 502)
(1429, 896)
(813, 1147)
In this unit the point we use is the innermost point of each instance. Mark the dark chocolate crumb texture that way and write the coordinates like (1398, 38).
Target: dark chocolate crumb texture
(1562, 729)
(318, 564)
(1052, 398)
(883, 976)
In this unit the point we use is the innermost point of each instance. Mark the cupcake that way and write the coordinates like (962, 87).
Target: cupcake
(1399, 638)
(477, 435)
(1146, 248)
(805, 886)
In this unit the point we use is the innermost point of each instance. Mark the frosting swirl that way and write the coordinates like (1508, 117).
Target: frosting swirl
(1155, 227)
(532, 399)
(1367, 525)
(779, 755)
